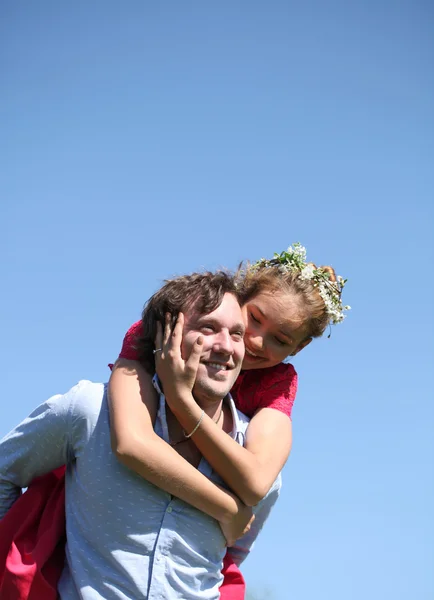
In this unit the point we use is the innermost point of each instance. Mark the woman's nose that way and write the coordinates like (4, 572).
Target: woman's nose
(255, 342)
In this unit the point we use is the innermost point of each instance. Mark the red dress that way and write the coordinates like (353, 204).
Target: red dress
(32, 533)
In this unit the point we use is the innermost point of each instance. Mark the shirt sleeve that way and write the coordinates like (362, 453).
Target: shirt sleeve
(279, 391)
(38, 445)
(244, 545)
(266, 388)
(129, 350)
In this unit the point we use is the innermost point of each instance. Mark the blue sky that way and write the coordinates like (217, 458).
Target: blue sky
(144, 140)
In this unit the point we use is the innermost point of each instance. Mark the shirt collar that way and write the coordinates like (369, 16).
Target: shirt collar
(236, 424)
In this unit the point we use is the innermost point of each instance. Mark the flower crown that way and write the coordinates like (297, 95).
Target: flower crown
(293, 260)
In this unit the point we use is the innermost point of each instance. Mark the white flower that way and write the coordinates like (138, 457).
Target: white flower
(294, 260)
(307, 272)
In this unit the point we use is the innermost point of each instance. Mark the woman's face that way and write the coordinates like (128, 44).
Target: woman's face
(275, 328)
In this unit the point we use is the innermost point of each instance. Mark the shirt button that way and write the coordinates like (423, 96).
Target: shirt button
(169, 510)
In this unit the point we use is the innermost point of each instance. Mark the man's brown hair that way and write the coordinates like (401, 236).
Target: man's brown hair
(204, 291)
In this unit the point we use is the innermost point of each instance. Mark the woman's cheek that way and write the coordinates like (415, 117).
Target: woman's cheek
(278, 354)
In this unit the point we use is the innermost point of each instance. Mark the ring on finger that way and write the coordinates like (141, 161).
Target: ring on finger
(157, 350)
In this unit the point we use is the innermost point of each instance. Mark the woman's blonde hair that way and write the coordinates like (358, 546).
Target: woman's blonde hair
(254, 280)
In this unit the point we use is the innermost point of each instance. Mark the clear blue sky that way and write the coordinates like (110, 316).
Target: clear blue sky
(142, 140)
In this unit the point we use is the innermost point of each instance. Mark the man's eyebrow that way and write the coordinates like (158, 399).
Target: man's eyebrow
(208, 319)
(240, 325)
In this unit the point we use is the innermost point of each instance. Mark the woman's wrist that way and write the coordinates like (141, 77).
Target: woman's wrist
(181, 401)
(232, 506)
(185, 408)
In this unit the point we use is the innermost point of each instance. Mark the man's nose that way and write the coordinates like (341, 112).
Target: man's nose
(223, 343)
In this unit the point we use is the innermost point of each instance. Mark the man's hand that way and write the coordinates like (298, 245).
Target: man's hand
(238, 524)
(176, 374)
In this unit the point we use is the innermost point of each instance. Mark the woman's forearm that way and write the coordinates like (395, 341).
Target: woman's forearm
(250, 471)
(133, 407)
(161, 465)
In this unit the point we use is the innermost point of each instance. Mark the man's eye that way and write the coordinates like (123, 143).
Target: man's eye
(207, 328)
(238, 335)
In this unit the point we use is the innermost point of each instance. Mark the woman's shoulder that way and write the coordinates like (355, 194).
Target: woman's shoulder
(134, 331)
(129, 350)
(281, 373)
(274, 387)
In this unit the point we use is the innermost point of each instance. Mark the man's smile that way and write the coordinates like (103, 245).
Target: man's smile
(217, 366)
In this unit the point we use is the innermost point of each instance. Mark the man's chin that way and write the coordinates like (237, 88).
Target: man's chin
(212, 390)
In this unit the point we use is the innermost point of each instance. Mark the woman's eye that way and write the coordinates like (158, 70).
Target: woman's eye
(280, 342)
(254, 318)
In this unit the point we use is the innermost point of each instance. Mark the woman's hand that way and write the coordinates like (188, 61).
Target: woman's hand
(176, 374)
(238, 524)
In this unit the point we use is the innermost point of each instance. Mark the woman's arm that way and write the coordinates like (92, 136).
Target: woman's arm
(250, 471)
(133, 408)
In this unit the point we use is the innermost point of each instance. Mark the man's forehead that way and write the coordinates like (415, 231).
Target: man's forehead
(194, 312)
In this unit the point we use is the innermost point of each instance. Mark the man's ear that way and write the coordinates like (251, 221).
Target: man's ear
(301, 345)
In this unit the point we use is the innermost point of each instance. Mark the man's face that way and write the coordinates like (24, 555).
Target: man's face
(222, 351)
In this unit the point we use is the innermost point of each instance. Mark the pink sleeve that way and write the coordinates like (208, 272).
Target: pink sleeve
(128, 350)
(266, 388)
(279, 391)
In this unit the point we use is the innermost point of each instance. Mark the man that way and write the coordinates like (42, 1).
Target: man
(126, 538)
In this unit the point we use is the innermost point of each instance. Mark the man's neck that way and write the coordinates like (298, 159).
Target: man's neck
(220, 412)
(211, 408)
